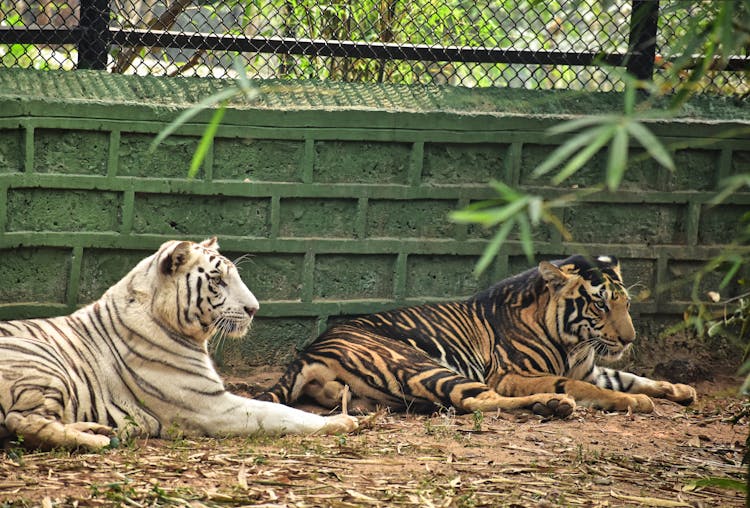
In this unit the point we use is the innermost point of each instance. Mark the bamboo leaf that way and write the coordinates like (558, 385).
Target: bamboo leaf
(484, 217)
(651, 144)
(736, 265)
(536, 205)
(206, 141)
(493, 216)
(603, 135)
(618, 158)
(725, 483)
(182, 118)
(493, 247)
(506, 192)
(730, 186)
(527, 242)
(564, 151)
(724, 27)
(579, 123)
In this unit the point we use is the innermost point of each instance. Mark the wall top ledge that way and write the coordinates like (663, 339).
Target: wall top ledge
(26, 92)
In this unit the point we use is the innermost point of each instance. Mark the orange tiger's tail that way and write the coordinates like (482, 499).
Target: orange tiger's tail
(282, 392)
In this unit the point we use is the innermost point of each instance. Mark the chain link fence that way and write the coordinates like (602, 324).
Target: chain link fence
(571, 44)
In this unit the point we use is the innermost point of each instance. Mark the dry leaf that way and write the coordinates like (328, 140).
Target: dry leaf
(242, 476)
(650, 501)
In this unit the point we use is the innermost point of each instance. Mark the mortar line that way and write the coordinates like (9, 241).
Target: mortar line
(74, 282)
(28, 162)
(208, 163)
(661, 277)
(128, 211)
(724, 166)
(512, 169)
(416, 164)
(360, 226)
(308, 276)
(500, 270)
(321, 324)
(3, 208)
(114, 153)
(461, 230)
(275, 216)
(692, 222)
(399, 278)
(308, 161)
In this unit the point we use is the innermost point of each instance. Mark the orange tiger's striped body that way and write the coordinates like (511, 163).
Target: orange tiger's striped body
(529, 341)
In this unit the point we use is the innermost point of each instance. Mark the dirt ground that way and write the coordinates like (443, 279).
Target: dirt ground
(592, 459)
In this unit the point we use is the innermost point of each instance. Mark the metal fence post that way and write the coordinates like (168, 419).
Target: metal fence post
(94, 34)
(644, 24)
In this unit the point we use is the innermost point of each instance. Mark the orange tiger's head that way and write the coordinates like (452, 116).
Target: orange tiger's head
(589, 305)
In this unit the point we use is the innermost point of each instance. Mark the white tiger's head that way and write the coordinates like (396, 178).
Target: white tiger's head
(195, 291)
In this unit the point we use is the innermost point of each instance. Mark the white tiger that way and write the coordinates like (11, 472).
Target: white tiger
(138, 358)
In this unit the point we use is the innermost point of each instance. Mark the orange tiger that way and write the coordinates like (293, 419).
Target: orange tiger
(529, 341)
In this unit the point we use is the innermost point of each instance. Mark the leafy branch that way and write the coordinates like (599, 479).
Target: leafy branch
(242, 87)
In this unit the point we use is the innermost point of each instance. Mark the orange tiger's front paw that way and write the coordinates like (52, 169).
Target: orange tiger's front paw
(682, 394)
(560, 406)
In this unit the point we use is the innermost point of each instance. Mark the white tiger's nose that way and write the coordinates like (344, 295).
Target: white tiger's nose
(250, 311)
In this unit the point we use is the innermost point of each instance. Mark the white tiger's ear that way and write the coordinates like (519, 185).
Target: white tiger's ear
(211, 243)
(175, 258)
(552, 275)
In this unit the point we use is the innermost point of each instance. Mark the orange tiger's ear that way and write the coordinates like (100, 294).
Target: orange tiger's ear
(552, 275)
(175, 258)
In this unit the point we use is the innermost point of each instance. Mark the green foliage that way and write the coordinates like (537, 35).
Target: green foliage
(512, 209)
(242, 87)
(723, 483)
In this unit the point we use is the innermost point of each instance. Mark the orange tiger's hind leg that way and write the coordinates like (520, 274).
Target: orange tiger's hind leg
(44, 432)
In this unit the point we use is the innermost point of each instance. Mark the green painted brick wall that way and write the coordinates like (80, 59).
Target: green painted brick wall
(333, 198)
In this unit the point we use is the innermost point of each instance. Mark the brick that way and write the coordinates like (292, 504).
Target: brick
(444, 277)
(63, 210)
(643, 172)
(71, 151)
(11, 150)
(34, 275)
(102, 268)
(626, 223)
(681, 280)
(463, 163)
(721, 224)
(361, 162)
(170, 159)
(353, 277)
(273, 341)
(740, 161)
(258, 160)
(532, 155)
(410, 219)
(311, 218)
(639, 276)
(271, 277)
(200, 215)
(696, 170)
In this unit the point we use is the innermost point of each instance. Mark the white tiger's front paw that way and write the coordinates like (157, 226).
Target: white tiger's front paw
(338, 424)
